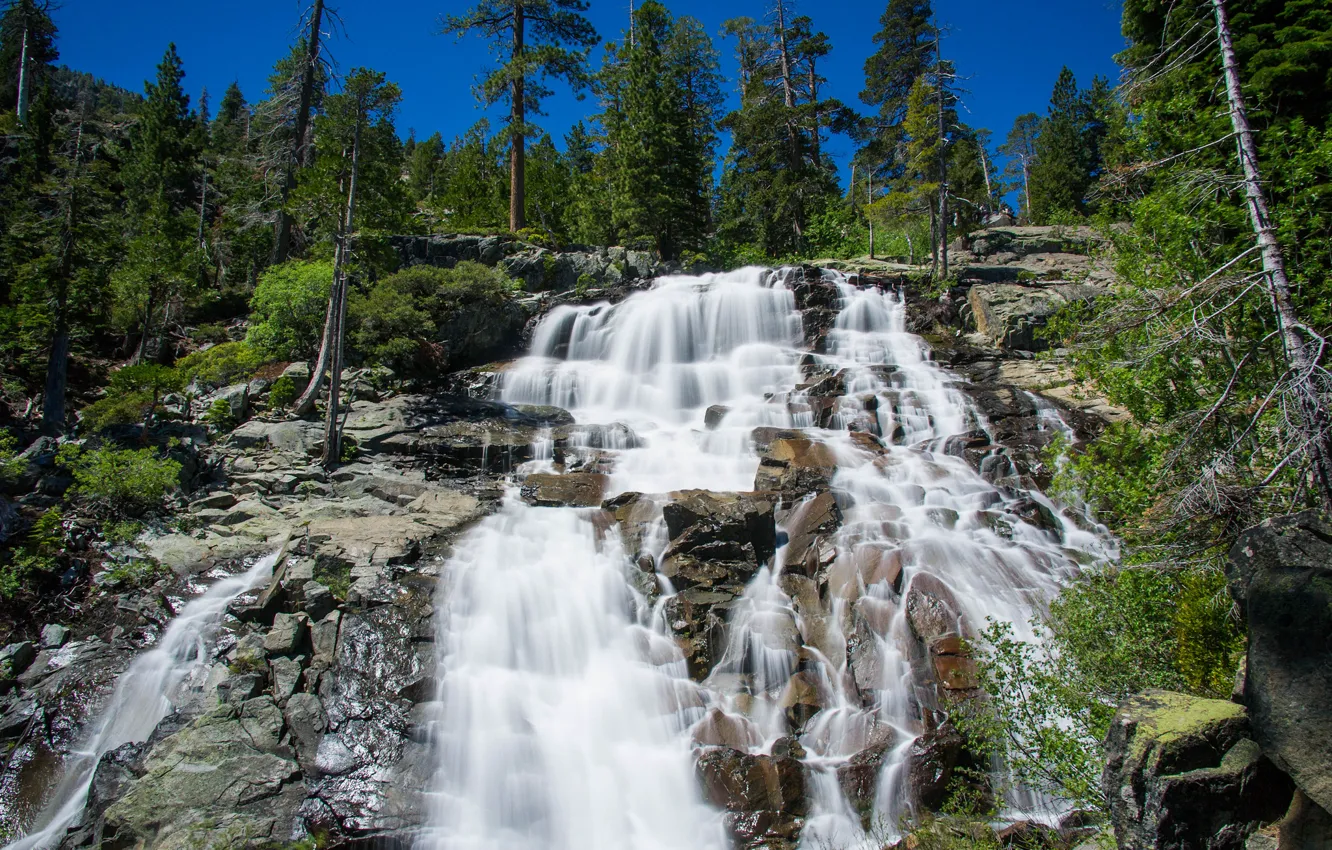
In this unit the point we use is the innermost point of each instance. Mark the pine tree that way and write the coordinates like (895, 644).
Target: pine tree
(906, 51)
(1020, 150)
(1061, 175)
(539, 39)
(425, 166)
(27, 52)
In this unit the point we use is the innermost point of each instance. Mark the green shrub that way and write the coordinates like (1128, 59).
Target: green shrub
(135, 573)
(126, 531)
(120, 482)
(214, 333)
(219, 415)
(282, 393)
(288, 310)
(10, 465)
(228, 363)
(132, 396)
(585, 282)
(39, 552)
(422, 319)
(1108, 636)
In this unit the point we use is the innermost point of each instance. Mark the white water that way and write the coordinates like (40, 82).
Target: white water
(153, 686)
(564, 714)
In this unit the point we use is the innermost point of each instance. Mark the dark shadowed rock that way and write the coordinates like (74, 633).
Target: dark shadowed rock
(721, 526)
(811, 527)
(930, 763)
(1181, 772)
(1281, 574)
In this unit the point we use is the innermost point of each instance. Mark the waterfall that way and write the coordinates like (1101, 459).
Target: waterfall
(154, 685)
(565, 717)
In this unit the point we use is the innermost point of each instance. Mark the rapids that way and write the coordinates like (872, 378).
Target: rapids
(565, 717)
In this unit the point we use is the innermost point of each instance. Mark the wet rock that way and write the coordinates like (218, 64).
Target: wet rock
(741, 782)
(810, 527)
(878, 562)
(714, 416)
(930, 762)
(859, 777)
(932, 610)
(288, 634)
(1280, 573)
(1181, 772)
(576, 490)
(698, 617)
(721, 526)
(802, 699)
(795, 467)
(306, 722)
(719, 729)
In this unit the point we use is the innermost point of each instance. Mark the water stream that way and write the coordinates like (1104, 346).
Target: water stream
(157, 683)
(564, 713)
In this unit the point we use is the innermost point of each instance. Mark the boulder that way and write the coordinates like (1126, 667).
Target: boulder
(930, 763)
(714, 415)
(1280, 573)
(296, 437)
(810, 528)
(54, 636)
(1010, 314)
(1181, 772)
(795, 466)
(737, 527)
(764, 796)
(932, 610)
(288, 634)
(575, 490)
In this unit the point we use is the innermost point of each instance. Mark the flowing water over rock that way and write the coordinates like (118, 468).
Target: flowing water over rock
(157, 683)
(796, 649)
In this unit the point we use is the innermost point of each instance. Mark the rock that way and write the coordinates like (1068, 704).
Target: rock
(286, 675)
(1010, 314)
(306, 721)
(719, 729)
(15, 658)
(711, 526)
(714, 415)
(1306, 825)
(859, 777)
(222, 774)
(932, 610)
(1180, 772)
(299, 374)
(297, 437)
(10, 520)
(288, 634)
(741, 782)
(810, 527)
(795, 467)
(239, 688)
(1280, 573)
(236, 398)
(324, 637)
(575, 490)
(54, 636)
(319, 601)
(930, 763)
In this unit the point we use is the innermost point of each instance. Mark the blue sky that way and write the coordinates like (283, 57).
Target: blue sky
(1008, 51)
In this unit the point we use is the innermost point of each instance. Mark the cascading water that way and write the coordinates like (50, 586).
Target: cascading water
(157, 683)
(565, 717)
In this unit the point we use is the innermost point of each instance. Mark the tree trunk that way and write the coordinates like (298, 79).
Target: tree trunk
(787, 90)
(1301, 361)
(282, 244)
(518, 120)
(989, 189)
(22, 107)
(142, 350)
(1026, 188)
(332, 427)
(943, 160)
(818, 119)
(57, 379)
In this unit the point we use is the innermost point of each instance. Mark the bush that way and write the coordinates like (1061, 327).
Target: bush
(289, 307)
(38, 553)
(120, 482)
(413, 320)
(132, 396)
(1108, 636)
(220, 365)
(10, 465)
(219, 415)
(283, 392)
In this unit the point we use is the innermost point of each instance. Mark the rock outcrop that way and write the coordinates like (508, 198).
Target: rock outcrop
(1182, 771)
(1280, 573)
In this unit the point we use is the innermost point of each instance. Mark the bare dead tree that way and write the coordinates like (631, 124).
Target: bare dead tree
(1303, 347)
(297, 153)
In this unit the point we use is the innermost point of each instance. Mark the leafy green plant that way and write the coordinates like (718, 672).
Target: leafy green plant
(220, 416)
(10, 465)
(585, 282)
(282, 393)
(220, 365)
(135, 572)
(133, 396)
(119, 482)
(335, 575)
(39, 552)
(289, 306)
(126, 531)
(214, 333)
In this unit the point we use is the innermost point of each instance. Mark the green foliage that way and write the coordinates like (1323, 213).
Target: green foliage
(1108, 636)
(282, 393)
(335, 575)
(120, 483)
(422, 317)
(134, 572)
(38, 553)
(10, 465)
(220, 365)
(288, 310)
(219, 415)
(133, 396)
(1117, 475)
(126, 531)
